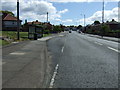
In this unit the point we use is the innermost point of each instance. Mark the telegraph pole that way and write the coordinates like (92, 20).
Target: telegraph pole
(18, 22)
(47, 17)
(103, 13)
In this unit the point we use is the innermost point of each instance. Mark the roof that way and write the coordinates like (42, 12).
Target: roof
(10, 18)
(34, 22)
(113, 22)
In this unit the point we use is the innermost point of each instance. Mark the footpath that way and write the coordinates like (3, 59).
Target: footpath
(105, 38)
(26, 65)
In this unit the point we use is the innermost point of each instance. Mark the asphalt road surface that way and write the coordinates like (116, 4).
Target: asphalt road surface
(80, 61)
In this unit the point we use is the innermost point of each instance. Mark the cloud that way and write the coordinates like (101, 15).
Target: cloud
(65, 1)
(63, 11)
(58, 19)
(33, 9)
(67, 20)
(109, 15)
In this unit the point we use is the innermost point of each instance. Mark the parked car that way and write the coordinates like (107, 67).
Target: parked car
(79, 31)
(70, 31)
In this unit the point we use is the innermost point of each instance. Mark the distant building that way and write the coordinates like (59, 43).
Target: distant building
(114, 25)
(9, 22)
(45, 25)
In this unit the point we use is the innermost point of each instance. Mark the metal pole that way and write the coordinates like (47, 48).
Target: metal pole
(47, 17)
(84, 22)
(18, 22)
(119, 11)
(103, 13)
(102, 19)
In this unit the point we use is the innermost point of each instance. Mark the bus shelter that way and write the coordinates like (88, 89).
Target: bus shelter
(35, 31)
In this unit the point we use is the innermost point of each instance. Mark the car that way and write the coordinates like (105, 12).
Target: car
(79, 31)
(70, 31)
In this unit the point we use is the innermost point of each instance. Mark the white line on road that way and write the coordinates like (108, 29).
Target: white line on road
(17, 53)
(62, 49)
(98, 43)
(53, 77)
(114, 49)
(61, 35)
(63, 46)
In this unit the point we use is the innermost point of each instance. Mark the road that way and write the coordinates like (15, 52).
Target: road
(80, 61)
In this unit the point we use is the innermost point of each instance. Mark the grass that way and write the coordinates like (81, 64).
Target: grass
(45, 35)
(12, 35)
(3, 42)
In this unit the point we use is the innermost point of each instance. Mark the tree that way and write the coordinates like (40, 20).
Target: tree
(8, 12)
(105, 29)
(57, 28)
(96, 22)
(80, 26)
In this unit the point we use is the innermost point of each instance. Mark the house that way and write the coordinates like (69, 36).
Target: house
(26, 26)
(114, 25)
(46, 26)
(9, 22)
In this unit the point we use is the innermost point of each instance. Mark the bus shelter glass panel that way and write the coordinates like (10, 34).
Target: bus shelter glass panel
(31, 32)
(39, 32)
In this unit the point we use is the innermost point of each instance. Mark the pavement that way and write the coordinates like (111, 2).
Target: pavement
(26, 65)
(81, 61)
(105, 37)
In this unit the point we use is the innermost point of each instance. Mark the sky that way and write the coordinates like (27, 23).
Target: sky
(66, 12)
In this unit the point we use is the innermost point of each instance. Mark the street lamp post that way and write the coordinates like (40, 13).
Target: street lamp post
(103, 12)
(84, 20)
(18, 22)
(102, 32)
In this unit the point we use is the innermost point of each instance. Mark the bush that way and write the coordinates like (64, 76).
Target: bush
(57, 29)
(46, 31)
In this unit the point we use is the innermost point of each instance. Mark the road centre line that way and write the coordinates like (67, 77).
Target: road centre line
(3, 63)
(53, 77)
(63, 46)
(114, 49)
(62, 49)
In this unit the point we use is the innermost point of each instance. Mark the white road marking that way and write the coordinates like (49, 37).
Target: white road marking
(15, 42)
(44, 38)
(61, 35)
(53, 77)
(62, 49)
(17, 53)
(63, 46)
(114, 49)
(98, 43)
